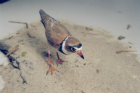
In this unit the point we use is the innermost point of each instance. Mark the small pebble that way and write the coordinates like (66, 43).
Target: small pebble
(97, 71)
(128, 26)
(121, 37)
(87, 28)
(84, 64)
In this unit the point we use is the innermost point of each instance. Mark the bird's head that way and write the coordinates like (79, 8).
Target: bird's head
(75, 49)
(72, 45)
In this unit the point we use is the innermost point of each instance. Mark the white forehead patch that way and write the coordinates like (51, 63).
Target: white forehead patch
(78, 48)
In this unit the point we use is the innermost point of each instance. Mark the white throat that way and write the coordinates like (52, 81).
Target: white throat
(63, 46)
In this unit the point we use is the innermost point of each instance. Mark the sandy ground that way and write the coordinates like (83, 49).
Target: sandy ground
(102, 70)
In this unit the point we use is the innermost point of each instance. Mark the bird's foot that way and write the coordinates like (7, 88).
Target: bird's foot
(51, 69)
(59, 60)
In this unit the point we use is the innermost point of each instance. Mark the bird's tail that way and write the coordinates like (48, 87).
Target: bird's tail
(45, 18)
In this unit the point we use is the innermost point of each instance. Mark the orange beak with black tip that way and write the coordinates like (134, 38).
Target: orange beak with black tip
(80, 54)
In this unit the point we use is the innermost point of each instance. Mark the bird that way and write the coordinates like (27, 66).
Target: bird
(60, 38)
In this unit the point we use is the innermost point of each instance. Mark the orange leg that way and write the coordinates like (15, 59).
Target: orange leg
(51, 68)
(59, 60)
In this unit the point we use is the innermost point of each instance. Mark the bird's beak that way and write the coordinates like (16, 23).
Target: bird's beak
(80, 54)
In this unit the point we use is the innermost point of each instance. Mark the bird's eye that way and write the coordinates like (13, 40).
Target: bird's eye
(72, 49)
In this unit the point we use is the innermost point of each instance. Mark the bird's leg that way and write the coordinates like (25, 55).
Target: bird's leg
(59, 60)
(51, 68)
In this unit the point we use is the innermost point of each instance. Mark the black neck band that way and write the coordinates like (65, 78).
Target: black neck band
(61, 45)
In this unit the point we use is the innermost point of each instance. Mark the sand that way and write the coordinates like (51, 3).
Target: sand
(102, 70)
